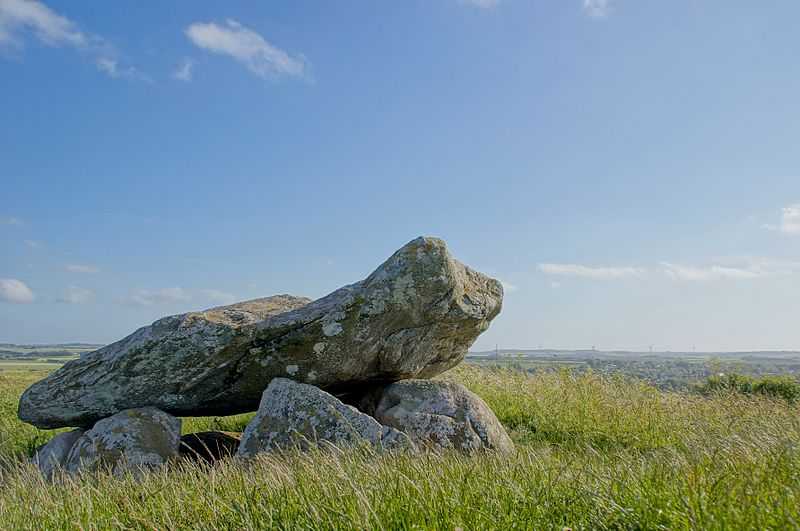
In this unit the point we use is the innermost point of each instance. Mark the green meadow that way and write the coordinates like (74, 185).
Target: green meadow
(593, 452)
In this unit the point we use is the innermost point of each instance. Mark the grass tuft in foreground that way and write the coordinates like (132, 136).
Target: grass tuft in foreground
(593, 453)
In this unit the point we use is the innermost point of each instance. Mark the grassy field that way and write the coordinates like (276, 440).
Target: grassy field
(593, 453)
(33, 364)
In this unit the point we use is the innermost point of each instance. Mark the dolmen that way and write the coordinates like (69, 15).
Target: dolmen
(351, 368)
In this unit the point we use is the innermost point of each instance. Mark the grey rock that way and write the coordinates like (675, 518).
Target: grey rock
(52, 456)
(133, 440)
(295, 415)
(442, 415)
(415, 316)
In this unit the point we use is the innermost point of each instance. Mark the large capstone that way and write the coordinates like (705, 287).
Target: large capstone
(441, 416)
(414, 317)
(300, 416)
(134, 440)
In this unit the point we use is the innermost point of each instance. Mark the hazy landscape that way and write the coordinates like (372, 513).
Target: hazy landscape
(665, 370)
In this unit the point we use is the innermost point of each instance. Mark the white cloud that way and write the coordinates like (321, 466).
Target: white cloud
(145, 297)
(77, 295)
(30, 15)
(597, 8)
(713, 272)
(483, 4)
(218, 297)
(508, 287)
(19, 17)
(773, 267)
(790, 220)
(741, 269)
(185, 71)
(33, 244)
(11, 221)
(247, 47)
(555, 285)
(730, 268)
(15, 291)
(577, 270)
(112, 68)
(82, 268)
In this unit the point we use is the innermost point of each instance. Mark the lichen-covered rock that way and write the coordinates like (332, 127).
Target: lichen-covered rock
(415, 316)
(295, 415)
(442, 415)
(133, 440)
(159, 365)
(52, 456)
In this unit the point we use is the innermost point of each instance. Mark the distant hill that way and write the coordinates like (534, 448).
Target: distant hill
(595, 354)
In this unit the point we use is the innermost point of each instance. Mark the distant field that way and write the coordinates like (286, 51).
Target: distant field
(44, 364)
(593, 452)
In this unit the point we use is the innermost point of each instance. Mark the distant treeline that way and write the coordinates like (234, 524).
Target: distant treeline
(53, 346)
(780, 387)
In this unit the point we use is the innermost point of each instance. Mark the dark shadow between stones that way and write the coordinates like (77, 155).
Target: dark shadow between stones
(209, 446)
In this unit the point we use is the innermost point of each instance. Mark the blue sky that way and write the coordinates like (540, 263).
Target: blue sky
(629, 169)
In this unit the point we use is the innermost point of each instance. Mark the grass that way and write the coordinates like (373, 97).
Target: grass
(785, 387)
(593, 453)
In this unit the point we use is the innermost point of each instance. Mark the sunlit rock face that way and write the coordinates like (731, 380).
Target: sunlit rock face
(301, 416)
(413, 317)
(441, 416)
(132, 441)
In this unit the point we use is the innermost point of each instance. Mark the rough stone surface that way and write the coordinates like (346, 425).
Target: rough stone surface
(210, 446)
(52, 456)
(159, 365)
(132, 440)
(442, 415)
(415, 316)
(295, 415)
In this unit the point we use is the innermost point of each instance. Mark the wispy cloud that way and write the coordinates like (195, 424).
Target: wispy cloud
(146, 297)
(483, 4)
(741, 269)
(34, 244)
(113, 69)
(15, 291)
(713, 272)
(77, 295)
(789, 222)
(247, 47)
(82, 268)
(21, 17)
(508, 287)
(731, 268)
(11, 221)
(217, 296)
(184, 71)
(597, 8)
(577, 270)
(17, 16)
